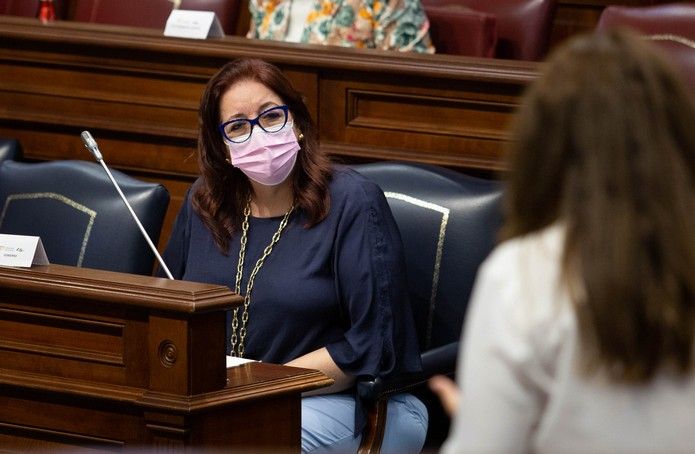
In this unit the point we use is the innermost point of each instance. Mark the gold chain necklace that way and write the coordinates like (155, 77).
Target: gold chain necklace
(238, 349)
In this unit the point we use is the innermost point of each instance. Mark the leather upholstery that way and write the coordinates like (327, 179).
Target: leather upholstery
(10, 149)
(448, 222)
(669, 26)
(134, 13)
(523, 26)
(458, 30)
(152, 13)
(78, 214)
(30, 8)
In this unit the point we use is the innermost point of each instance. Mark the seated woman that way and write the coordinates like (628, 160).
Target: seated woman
(314, 250)
(581, 331)
(392, 25)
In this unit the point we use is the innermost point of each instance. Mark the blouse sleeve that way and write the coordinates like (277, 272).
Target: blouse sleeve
(175, 254)
(256, 18)
(379, 338)
(402, 25)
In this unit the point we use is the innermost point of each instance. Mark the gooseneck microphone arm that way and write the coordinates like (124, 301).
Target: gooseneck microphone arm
(91, 145)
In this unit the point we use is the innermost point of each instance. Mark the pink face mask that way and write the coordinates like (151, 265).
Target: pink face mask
(266, 158)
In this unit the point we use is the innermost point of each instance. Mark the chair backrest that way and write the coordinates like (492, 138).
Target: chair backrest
(523, 26)
(458, 30)
(669, 26)
(448, 222)
(135, 13)
(151, 13)
(78, 214)
(10, 149)
(30, 8)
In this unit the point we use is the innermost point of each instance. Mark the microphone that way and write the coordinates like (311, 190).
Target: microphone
(93, 148)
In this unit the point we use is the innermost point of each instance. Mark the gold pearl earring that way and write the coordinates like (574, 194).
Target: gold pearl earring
(300, 137)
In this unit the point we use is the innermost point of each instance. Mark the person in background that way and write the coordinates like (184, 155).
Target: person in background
(581, 330)
(313, 248)
(390, 25)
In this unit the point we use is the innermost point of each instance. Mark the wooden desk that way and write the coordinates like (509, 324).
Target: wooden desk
(107, 360)
(138, 93)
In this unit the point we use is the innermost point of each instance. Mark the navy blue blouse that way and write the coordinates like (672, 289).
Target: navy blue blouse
(339, 285)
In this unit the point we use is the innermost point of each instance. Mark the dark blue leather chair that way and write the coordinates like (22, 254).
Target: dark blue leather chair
(78, 214)
(10, 149)
(449, 223)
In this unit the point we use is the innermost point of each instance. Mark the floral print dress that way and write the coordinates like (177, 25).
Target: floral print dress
(390, 25)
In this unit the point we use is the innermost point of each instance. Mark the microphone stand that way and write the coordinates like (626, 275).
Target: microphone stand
(91, 145)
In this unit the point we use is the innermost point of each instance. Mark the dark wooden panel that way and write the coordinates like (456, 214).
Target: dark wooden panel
(213, 427)
(86, 422)
(61, 335)
(15, 437)
(99, 342)
(97, 360)
(147, 91)
(138, 93)
(459, 123)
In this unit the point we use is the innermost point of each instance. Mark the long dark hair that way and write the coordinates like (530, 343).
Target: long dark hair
(605, 144)
(221, 197)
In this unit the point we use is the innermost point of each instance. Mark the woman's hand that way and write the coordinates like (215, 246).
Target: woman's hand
(448, 392)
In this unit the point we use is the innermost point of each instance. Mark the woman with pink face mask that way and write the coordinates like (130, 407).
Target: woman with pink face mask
(313, 248)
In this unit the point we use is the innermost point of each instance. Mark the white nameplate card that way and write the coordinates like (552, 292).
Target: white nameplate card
(21, 250)
(233, 361)
(183, 23)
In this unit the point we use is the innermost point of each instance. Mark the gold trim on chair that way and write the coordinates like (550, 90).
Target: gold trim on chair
(673, 38)
(61, 198)
(440, 248)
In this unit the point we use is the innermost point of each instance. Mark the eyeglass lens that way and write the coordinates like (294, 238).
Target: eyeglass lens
(272, 120)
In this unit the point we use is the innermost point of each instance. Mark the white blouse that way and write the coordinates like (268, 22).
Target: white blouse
(522, 389)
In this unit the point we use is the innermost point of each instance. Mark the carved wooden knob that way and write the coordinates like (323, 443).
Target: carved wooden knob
(168, 353)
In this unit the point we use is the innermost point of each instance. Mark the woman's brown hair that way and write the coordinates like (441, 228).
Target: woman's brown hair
(221, 197)
(605, 145)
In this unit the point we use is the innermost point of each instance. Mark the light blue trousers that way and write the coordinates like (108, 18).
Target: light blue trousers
(328, 424)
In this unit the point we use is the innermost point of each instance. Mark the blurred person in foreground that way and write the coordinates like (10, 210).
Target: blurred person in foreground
(581, 327)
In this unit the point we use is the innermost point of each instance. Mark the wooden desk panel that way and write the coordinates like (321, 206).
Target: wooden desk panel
(148, 87)
(454, 122)
(100, 360)
(138, 93)
(257, 414)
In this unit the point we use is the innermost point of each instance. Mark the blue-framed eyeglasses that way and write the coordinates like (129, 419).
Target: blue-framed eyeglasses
(239, 130)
